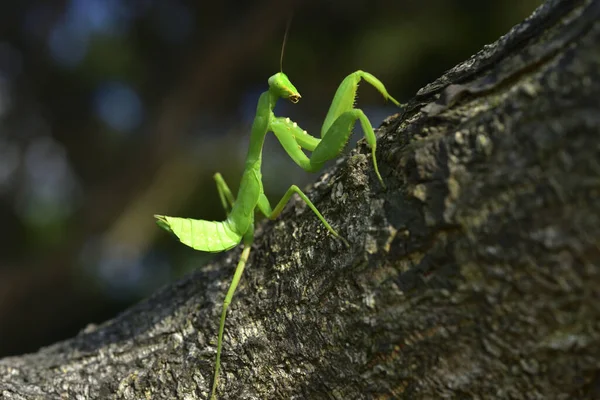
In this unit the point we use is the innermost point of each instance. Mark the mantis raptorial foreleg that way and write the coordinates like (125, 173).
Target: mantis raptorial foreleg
(336, 129)
(217, 236)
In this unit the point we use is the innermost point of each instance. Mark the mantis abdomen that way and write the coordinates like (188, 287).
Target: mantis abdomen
(210, 236)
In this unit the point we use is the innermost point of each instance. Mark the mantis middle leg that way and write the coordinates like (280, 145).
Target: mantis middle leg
(265, 207)
(225, 193)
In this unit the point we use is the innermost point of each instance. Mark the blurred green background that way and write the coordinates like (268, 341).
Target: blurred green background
(113, 110)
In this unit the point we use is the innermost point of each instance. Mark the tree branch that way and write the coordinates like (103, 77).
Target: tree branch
(474, 275)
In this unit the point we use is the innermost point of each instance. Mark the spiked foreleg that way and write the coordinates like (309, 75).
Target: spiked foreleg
(327, 148)
(337, 136)
(344, 97)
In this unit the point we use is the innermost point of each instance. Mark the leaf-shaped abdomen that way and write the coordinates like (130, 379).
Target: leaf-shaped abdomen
(210, 236)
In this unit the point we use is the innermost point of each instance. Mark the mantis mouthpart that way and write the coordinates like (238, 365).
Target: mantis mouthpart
(218, 236)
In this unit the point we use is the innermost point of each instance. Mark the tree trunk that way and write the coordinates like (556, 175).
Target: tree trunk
(474, 275)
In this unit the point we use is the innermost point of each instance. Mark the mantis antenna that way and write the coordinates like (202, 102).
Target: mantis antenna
(287, 29)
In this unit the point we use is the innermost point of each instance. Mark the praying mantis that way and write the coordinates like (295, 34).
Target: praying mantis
(219, 236)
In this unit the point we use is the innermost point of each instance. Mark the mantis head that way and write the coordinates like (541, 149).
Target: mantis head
(280, 84)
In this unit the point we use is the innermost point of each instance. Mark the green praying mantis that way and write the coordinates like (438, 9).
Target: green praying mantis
(218, 236)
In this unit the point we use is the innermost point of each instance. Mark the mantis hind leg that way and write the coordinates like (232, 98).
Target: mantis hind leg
(265, 208)
(248, 238)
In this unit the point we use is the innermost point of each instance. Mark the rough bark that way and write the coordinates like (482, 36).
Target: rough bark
(475, 275)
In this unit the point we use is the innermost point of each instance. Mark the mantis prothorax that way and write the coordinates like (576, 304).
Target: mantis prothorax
(218, 236)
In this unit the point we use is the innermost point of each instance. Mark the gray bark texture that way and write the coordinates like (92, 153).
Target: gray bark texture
(474, 275)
